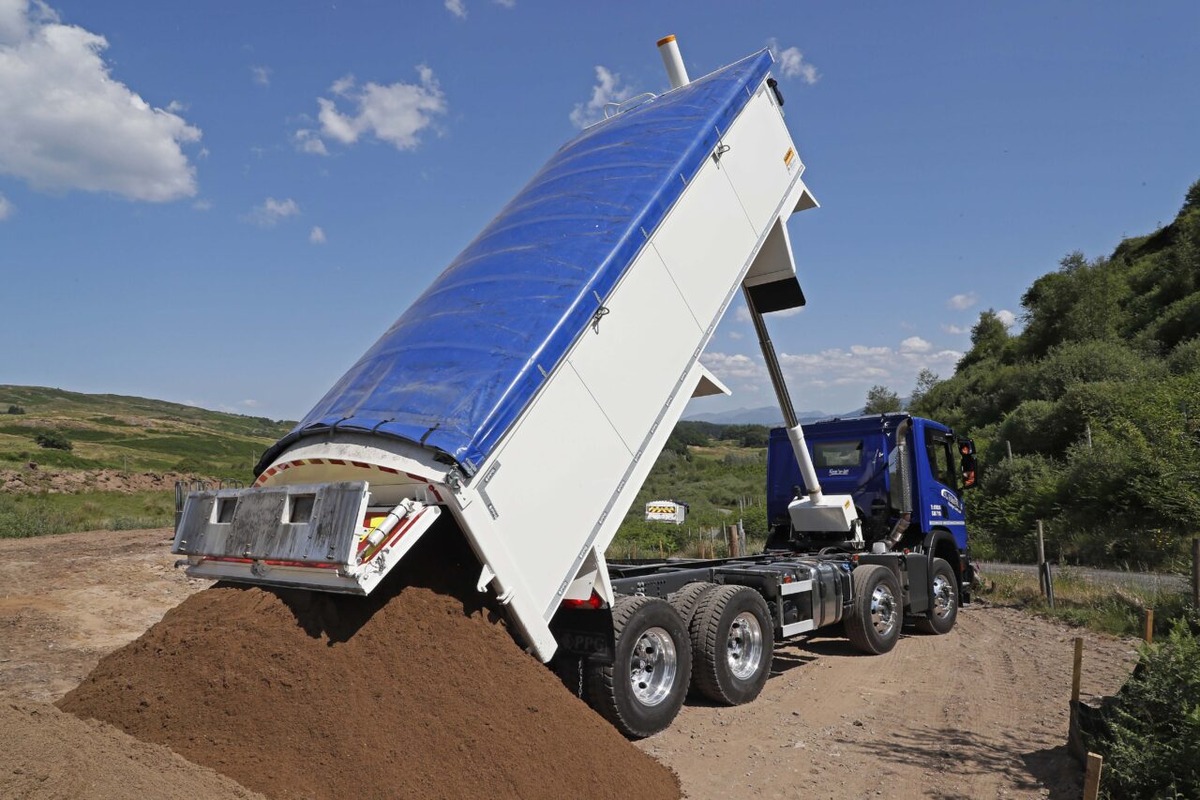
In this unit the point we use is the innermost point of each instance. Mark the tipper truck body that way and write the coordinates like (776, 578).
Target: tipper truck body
(528, 391)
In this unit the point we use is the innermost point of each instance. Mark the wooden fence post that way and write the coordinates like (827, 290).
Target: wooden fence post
(1196, 573)
(1075, 675)
(1044, 578)
(1149, 637)
(1091, 780)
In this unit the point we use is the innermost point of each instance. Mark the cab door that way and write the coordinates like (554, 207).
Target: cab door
(940, 492)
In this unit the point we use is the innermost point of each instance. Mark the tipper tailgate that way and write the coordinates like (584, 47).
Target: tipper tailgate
(310, 536)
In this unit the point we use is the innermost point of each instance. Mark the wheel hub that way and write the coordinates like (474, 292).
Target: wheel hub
(744, 646)
(883, 610)
(652, 666)
(943, 597)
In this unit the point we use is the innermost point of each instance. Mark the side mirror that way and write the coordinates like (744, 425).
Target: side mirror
(966, 453)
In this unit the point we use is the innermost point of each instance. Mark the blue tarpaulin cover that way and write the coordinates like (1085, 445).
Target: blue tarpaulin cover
(460, 365)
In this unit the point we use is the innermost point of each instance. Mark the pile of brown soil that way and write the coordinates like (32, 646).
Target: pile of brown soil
(49, 755)
(413, 692)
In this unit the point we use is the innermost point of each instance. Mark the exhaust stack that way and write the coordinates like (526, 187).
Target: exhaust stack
(668, 48)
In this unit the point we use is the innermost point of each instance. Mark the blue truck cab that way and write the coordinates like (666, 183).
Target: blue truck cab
(905, 474)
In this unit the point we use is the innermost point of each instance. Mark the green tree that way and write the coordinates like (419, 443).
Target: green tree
(926, 380)
(881, 400)
(989, 337)
(53, 440)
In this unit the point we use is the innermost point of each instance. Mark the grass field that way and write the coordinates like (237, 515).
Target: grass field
(132, 434)
(118, 433)
(1116, 610)
(24, 515)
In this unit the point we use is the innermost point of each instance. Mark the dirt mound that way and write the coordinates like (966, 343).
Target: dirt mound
(34, 479)
(49, 755)
(414, 692)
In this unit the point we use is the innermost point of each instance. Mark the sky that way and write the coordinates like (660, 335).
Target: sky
(225, 204)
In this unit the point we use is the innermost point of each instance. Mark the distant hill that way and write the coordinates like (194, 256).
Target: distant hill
(764, 415)
(129, 433)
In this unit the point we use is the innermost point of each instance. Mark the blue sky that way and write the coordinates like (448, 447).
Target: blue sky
(225, 203)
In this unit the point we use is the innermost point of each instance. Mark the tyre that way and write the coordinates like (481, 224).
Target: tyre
(733, 642)
(877, 612)
(943, 600)
(641, 692)
(686, 599)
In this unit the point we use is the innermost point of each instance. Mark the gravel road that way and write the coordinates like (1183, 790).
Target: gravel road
(978, 713)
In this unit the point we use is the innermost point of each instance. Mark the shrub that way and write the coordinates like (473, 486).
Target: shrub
(1151, 737)
(53, 440)
(16, 410)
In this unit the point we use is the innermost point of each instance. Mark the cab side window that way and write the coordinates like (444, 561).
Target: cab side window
(941, 463)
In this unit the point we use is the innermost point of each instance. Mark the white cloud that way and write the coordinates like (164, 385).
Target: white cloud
(307, 141)
(864, 366)
(608, 89)
(272, 211)
(734, 366)
(1007, 317)
(317, 235)
(792, 63)
(6, 208)
(202, 205)
(457, 7)
(396, 113)
(956, 330)
(736, 335)
(842, 372)
(507, 3)
(261, 75)
(961, 302)
(65, 123)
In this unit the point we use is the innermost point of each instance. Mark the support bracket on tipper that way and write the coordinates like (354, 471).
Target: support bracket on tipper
(310, 536)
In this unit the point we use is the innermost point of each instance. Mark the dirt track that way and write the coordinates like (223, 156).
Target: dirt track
(829, 724)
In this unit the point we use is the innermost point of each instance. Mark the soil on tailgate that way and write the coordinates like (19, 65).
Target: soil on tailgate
(416, 691)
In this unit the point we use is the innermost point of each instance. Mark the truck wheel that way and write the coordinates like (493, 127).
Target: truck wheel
(641, 692)
(873, 625)
(686, 599)
(943, 600)
(733, 642)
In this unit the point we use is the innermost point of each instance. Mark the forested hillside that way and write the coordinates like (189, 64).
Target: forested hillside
(1098, 396)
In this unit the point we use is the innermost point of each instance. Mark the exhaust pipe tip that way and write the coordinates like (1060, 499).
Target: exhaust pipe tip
(668, 48)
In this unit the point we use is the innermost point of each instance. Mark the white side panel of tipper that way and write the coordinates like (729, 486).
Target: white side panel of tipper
(562, 479)
(633, 360)
(704, 238)
(758, 163)
(552, 479)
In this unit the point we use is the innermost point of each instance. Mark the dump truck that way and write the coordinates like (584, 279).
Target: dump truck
(551, 360)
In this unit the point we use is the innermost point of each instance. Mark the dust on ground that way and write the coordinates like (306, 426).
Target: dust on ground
(979, 713)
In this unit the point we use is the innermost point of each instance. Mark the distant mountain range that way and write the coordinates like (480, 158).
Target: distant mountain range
(764, 415)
